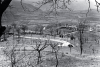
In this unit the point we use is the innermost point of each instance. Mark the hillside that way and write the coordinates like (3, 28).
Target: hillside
(25, 14)
(18, 12)
(73, 16)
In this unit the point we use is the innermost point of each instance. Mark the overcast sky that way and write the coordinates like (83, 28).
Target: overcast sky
(79, 5)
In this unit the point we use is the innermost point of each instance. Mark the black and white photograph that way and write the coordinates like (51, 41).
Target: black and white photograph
(49, 33)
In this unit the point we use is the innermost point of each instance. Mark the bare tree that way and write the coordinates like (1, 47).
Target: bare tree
(14, 26)
(39, 47)
(18, 33)
(55, 49)
(82, 28)
(10, 53)
(51, 31)
(70, 46)
(16, 54)
(38, 29)
(24, 28)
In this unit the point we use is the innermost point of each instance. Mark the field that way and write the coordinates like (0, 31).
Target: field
(27, 56)
(47, 44)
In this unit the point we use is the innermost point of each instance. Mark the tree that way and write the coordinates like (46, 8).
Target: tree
(11, 54)
(18, 33)
(3, 6)
(14, 26)
(39, 47)
(52, 29)
(82, 28)
(38, 29)
(24, 28)
(55, 49)
(70, 46)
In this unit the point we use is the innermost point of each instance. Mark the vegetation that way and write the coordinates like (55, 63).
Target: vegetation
(25, 50)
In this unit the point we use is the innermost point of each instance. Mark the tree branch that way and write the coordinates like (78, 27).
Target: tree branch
(4, 5)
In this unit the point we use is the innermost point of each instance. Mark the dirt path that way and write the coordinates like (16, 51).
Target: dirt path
(64, 43)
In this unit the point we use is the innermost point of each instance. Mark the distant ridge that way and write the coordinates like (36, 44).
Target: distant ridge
(16, 11)
(24, 7)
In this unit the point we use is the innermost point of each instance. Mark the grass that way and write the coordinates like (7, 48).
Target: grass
(48, 58)
(65, 61)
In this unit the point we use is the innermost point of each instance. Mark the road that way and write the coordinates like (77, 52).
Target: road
(64, 43)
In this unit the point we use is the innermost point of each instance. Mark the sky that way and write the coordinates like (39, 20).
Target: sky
(76, 5)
